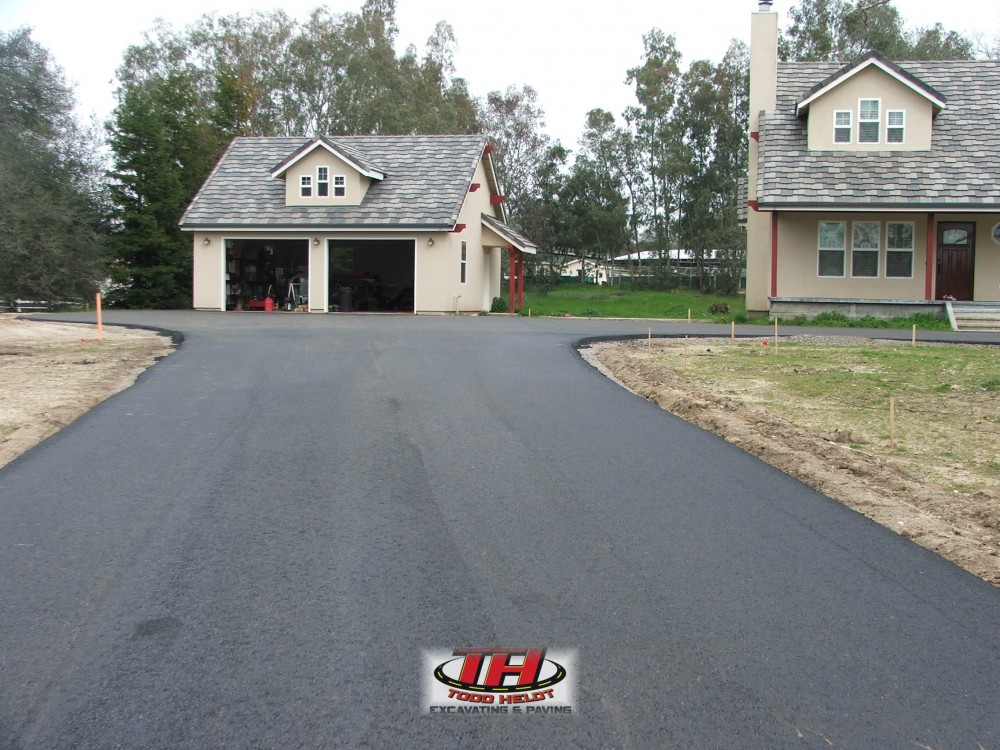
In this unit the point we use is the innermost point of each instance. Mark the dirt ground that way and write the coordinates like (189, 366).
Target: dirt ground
(962, 527)
(54, 372)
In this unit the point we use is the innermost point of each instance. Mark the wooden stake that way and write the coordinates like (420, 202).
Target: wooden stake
(732, 330)
(913, 341)
(689, 315)
(892, 422)
(775, 334)
(100, 323)
(685, 350)
(649, 339)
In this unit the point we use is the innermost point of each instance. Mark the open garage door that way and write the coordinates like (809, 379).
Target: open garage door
(372, 275)
(258, 268)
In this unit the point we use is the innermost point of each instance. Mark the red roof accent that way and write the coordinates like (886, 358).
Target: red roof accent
(752, 204)
(474, 187)
(494, 199)
(488, 149)
(459, 228)
(755, 134)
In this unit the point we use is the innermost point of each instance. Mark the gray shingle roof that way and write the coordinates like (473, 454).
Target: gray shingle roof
(961, 170)
(427, 180)
(512, 235)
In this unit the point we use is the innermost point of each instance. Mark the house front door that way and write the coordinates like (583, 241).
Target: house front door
(956, 259)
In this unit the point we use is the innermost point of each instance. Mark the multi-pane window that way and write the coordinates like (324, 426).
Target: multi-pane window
(305, 186)
(842, 126)
(895, 125)
(864, 249)
(868, 120)
(899, 250)
(464, 262)
(322, 181)
(832, 247)
(339, 186)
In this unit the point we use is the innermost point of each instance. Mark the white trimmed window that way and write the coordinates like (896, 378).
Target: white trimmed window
(899, 250)
(869, 116)
(339, 186)
(832, 248)
(322, 181)
(306, 186)
(864, 249)
(895, 125)
(842, 126)
(464, 261)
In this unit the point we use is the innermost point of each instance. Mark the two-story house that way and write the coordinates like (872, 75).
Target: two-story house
(874, 186)
(404, 223)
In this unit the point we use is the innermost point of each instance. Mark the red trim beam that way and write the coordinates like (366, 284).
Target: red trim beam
(774, 253)
(494, 199)
(474, 187)
(459, 228)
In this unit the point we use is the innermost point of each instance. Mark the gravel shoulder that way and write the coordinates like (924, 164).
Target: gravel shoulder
(961, 527)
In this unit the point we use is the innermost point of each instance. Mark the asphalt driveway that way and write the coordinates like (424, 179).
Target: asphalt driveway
(253, 545)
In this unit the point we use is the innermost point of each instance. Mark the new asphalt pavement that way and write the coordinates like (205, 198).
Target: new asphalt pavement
(254, 545)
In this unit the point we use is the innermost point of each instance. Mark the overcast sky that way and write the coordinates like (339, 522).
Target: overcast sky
(575, 54)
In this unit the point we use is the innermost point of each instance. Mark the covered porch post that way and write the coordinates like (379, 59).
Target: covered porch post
(520, 281)
(512, 274)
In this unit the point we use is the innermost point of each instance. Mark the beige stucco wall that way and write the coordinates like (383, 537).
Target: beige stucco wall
(357, 184)
(438, 267)
(798, 259)
(987, 286)
(209, 263)
(871, 83)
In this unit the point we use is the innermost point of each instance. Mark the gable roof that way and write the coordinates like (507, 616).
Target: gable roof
(426, 180)
(872, 59)
(960, 171)
(345, 153)
(511, 236)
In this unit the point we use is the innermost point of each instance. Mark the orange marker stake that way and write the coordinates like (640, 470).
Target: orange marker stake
(100, 324)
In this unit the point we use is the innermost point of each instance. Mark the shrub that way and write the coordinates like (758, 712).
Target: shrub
(499, 305)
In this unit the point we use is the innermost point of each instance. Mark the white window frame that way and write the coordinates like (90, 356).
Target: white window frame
(305, 186)
(820, 250)
(322, 181)
(857, 250)
(864, 120)
(908, 250)
(889, 127)
(339, 186)
(464, 262)
(849, 127)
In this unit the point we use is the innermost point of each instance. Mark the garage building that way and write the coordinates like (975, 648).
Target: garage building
(369, 223)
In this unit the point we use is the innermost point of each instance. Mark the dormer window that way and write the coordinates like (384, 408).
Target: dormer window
(842, 126)
(339, 186)
(322, 181)
(895, 125)
(868, 120)
(305, 186)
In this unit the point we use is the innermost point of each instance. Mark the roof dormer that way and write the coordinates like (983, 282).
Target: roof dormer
(871, 104)
(326, 173)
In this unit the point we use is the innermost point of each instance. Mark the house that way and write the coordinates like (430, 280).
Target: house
(874, 186)
(407, 223)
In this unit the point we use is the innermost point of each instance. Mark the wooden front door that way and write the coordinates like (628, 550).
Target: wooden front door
(956, 259)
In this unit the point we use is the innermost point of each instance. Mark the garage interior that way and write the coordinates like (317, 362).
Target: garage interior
(371, 275)
(257, 270)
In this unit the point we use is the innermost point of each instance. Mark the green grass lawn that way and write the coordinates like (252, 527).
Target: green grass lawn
(611, 301)
(620, 302)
